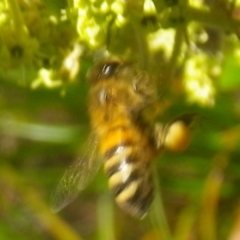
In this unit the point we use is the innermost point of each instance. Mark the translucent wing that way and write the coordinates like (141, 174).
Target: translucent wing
(75, 179)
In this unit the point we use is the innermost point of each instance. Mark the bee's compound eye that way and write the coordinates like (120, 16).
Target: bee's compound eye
(177, 136)
(104, 70)
(109, 69)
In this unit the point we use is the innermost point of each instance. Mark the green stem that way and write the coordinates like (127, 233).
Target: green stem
(141, 41)
(158, 216)
(216, 19)
(105, 218)
(171, 67)
(178, 42)
(18, 22)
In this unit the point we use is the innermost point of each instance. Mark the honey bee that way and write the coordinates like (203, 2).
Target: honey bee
(125, 140)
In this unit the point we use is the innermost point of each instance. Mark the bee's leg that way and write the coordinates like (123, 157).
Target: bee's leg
(159, 135)
(143, 85)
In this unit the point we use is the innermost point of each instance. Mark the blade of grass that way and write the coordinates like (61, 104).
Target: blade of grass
(235, 231)
(52, 224)
(157, 214)
(105, 218)
(208, 213)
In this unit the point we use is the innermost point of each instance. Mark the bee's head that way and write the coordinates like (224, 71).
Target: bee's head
(112, 69)
(104, 70)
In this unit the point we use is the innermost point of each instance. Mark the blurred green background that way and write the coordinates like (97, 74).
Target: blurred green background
(192, 50)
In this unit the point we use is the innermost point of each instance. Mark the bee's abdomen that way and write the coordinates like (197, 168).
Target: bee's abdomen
(129, 178)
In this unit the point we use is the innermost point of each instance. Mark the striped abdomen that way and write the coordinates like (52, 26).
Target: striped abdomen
(127, 165)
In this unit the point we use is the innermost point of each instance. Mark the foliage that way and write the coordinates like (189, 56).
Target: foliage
(192, 51)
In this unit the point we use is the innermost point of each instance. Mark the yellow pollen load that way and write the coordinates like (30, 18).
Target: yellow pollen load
(177, 137)
(128, 192)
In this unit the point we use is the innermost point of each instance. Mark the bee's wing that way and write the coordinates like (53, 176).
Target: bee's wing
(77, 176)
